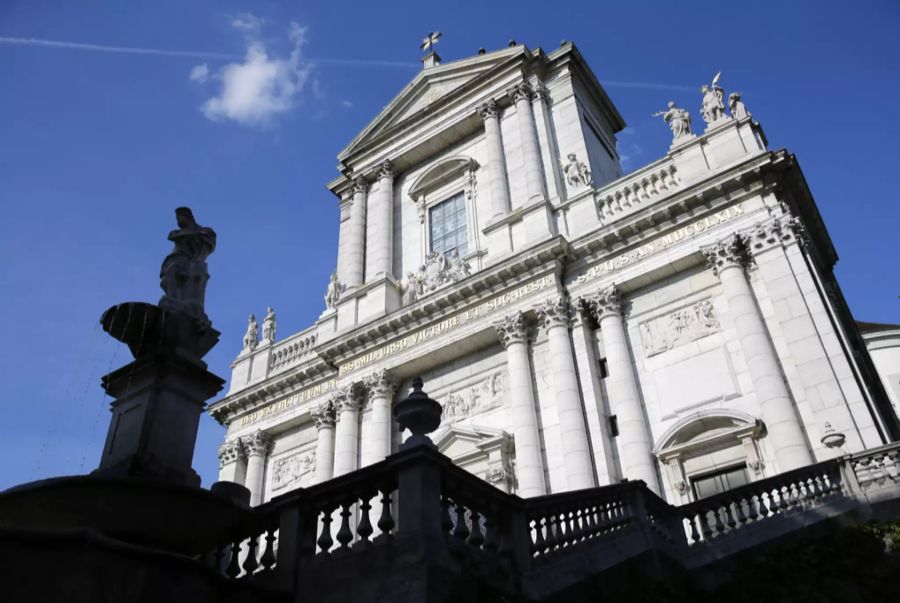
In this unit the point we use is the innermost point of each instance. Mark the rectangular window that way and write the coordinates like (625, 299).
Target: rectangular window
(604, 369)
(720, 481)
(613, 426)
(447, 221)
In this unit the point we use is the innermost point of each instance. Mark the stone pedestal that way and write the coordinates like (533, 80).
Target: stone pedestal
(156, 412)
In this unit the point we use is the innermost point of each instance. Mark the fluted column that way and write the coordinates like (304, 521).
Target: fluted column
(324, 417)
(499, 186)
(232, 462)
(513, 333)
(554, 315)
(633, 441)
(346, 433)
(376, 430)
(257, 446)
(356, 250)
(380, 227)
(521, 95)
(728, 258)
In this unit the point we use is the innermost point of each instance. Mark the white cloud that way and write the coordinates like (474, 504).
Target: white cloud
(346, 104)
(262, 85)
(200, 73)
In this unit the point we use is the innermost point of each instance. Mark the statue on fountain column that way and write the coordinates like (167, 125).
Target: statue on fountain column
(183, 275)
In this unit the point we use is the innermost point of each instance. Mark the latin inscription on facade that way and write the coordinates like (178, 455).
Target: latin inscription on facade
(635, 255)
(289, 402)
(679, 327)
(445, 326)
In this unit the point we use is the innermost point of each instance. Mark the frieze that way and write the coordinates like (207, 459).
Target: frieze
(678, 328)
(290, 470)
(293, 400)
(447, 325)
(474, 400)
(685, 232)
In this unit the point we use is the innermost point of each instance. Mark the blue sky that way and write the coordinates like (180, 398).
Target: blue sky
(238, 109)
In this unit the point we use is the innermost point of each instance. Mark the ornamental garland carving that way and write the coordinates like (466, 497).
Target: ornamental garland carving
(475, 400)
(438, 271)
(679, 327)
(730, 251)
(292, 469)
(555, 311)
(512, 329)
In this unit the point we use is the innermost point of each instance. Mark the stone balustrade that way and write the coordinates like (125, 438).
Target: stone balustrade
(429, 507)
(293, 350)
(628, 194)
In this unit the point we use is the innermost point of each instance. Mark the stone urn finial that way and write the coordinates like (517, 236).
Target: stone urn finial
(833, 438)
(419, 414)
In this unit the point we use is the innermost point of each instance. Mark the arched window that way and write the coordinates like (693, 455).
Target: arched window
(709, 452)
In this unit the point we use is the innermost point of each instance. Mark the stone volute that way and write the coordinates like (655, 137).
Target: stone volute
(419, 414)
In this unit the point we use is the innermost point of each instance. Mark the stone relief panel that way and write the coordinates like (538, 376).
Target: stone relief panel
(293, 469)
(678, 328)
(474, 400)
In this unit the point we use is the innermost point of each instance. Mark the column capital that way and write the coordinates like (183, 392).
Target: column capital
(512, 329)
(489, 109)
(324, 415)
(348, 399)
(230, 451)
(727, 252)
(385, 170)
(604, 302)
(381, 384)
(553, 312)
(359, 185)
(257, 443)
(521, 91)
(540, 92)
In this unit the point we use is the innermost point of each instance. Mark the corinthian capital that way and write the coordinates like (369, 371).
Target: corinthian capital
(360, 185)
(489, 109)
(348, 399)
(521, 91)
(604, 302)
(385, 170)
(765, 235)
(553, 312)
(230, 452)
(512, 329)
(730, 251)
(324, 415)
(257, 443)
(380, 384)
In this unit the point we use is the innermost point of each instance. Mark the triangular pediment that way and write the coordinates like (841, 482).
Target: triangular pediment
(463, 442)
(429, 90)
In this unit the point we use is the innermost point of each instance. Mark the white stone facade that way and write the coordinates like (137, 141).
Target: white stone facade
(660, 326)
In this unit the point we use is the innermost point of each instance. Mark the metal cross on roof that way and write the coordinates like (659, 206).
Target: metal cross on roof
(430, 40)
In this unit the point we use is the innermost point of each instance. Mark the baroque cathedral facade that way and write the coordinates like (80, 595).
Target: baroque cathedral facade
(679, 325)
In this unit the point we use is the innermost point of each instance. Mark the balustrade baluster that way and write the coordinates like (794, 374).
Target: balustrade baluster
(446, 521)
(325, 540)
(386, 521)
(460, 530)
(704, 525)
(752, 510)
(476, 538)
(268, 558)
(364, 529)
(739, 510)
(345, 534)
(552, 532)
(694, 533)
(718, 526)
(491, 534)
(540, 541)
(250, 563)
(729, 514)
(234, 567)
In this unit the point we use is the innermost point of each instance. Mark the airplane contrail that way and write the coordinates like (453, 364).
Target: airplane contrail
(188, 53)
